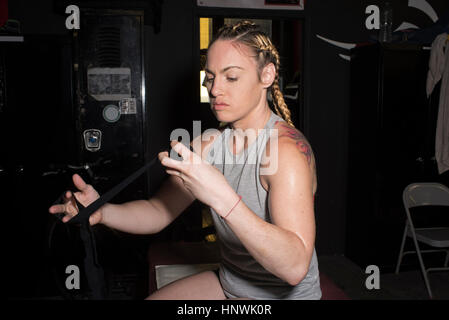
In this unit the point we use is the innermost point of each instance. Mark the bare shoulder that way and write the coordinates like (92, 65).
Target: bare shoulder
(293, 151)
(202, 143)
(290, 137)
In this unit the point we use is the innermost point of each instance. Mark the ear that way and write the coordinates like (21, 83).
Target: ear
(268, 75)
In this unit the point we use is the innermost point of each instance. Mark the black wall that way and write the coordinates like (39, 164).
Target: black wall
(172, 93)
(328, 103)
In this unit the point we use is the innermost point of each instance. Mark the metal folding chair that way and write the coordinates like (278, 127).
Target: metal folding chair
(425, 194)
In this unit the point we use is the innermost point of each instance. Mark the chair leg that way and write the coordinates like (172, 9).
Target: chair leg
(401, 251)
(423, 269)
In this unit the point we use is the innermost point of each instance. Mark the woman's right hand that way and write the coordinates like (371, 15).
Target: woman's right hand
(86, 195)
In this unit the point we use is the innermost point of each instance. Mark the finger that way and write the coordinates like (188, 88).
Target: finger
(66, 219)
(79, 182)
(95, 218)
(76, 197)
(57, 208)
(162, 154)
(172, 164)
(182, 150)
(172, 153)
(68, 194)
(178, 174)
(174, 173)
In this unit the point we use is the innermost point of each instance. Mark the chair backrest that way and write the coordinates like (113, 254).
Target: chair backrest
(425, 194)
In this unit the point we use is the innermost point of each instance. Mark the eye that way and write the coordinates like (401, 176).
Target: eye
(232, 79)
(208, 80)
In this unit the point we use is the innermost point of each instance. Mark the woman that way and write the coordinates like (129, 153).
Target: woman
(260, 193)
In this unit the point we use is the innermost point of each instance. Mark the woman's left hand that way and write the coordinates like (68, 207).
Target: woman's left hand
(203, 180)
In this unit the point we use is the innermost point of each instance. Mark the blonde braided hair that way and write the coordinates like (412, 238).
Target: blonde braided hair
(249, 34)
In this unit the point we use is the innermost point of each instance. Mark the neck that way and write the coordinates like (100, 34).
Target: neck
(255, 119)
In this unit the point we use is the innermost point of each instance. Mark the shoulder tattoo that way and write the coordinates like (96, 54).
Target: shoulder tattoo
(301, 141)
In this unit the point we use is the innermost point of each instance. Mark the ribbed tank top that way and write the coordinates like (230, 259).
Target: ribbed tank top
(240, 274)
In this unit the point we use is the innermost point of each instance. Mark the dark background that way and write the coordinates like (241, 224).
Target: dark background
(171, 65)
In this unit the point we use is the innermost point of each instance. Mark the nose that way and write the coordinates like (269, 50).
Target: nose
(216, 88)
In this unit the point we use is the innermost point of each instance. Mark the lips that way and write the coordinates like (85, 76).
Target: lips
(219, 105)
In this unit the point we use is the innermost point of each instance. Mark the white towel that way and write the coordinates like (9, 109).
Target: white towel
(442, 131)
(436, 62)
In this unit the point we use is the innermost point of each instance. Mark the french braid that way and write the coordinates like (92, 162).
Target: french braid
(248, 33)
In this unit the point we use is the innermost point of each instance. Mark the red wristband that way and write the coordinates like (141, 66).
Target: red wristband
(240, 198)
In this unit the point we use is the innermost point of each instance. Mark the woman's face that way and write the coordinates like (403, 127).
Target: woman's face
(232, 81)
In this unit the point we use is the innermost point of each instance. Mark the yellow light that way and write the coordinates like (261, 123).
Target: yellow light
(203, 92)
(204, 32)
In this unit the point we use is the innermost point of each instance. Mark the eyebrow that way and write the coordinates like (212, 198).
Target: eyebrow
(224, 70)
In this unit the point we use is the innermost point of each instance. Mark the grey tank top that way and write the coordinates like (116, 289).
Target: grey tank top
(240, 274)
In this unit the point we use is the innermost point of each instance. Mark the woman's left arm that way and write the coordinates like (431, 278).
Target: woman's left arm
(285, 246)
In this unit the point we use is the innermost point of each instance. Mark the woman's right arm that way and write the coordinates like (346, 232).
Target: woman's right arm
(137, 217)
(149, 216)
(153, 215)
